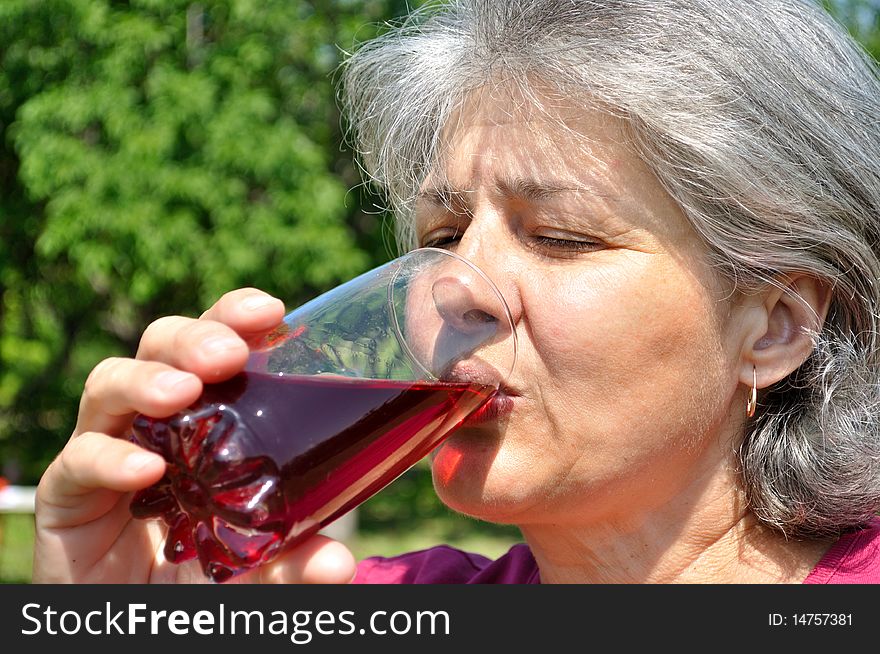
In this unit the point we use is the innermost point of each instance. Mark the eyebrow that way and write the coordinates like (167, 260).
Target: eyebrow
(518, 188)
(440, 195)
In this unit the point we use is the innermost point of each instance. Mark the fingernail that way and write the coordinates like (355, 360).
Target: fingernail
(173, 378)
(256, 302)
(220, 344)
(137, 461)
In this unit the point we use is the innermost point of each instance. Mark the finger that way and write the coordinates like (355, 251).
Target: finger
(119, 388)
(215, 346)
(248, 311)
(207, 348)
(85, 479)
(320, 560)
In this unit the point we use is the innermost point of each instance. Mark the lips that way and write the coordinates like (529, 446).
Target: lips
(500, 405)
(476, 372)
(479, 372)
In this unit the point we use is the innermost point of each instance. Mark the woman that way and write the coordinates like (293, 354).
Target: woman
(681, 203)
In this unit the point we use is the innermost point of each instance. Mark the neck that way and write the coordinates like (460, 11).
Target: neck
(721, 542)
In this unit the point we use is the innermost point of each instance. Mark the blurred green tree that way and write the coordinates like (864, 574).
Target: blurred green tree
(861, 18)
(157, 153)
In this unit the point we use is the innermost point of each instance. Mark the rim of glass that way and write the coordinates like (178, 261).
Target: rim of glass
(398, 333)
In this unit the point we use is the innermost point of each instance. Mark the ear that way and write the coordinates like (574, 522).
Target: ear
(778, 342)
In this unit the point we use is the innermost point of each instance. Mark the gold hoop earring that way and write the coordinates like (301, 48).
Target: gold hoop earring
(752, 404)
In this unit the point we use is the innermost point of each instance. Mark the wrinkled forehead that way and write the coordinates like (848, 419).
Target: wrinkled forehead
(521, 130)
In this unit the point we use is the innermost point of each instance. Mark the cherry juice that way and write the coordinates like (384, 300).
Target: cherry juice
(263, 461)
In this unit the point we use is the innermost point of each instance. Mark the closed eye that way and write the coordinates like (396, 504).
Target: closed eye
(567, 245)
(547, 243)
(442, 240)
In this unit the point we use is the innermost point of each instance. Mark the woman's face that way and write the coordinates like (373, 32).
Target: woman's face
(628, 354)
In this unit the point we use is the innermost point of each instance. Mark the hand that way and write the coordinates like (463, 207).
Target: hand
(84, 531)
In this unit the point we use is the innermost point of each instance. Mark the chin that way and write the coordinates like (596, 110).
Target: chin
(482, 508)
(469, 485)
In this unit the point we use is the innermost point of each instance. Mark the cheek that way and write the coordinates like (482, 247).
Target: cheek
(603, 314)
(634, 337)
(628, 377)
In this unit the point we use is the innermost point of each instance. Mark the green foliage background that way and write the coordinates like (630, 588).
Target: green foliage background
(157, 153)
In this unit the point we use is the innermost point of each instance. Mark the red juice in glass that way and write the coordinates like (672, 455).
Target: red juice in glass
(334, 404)
(264, 460)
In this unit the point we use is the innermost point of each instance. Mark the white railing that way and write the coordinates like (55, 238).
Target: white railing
(17, 499)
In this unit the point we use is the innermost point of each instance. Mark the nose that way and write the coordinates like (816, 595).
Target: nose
(469, 299)
(466, 307)
(476, 322)
(488, 246)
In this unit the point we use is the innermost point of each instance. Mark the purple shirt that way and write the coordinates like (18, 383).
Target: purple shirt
(853, 559)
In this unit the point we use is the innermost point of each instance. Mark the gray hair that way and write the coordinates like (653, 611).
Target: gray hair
(761, 120)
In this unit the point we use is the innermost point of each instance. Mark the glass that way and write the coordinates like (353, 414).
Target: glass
(351, 390)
